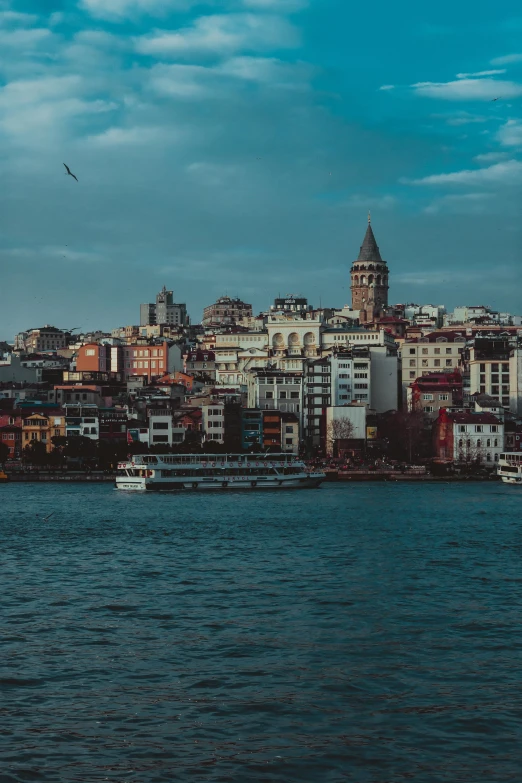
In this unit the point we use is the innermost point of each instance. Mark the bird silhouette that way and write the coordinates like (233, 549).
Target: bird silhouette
(496, 99)
(69, 172)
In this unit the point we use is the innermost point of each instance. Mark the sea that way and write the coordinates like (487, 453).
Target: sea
(357, 632)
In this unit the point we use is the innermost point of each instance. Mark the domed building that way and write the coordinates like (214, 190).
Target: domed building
(369, 279)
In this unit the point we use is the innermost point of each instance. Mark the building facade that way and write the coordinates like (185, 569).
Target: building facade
(369, 279)
(164, 311)
(226, 310)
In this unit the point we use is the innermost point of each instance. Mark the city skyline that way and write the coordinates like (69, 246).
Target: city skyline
(239, 147)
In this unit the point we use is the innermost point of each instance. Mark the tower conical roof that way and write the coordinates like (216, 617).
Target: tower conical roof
(369, 249)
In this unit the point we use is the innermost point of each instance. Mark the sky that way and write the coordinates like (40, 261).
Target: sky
(236, 147)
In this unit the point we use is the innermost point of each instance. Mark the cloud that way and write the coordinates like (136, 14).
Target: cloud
(280, 6)
(480, 73)
(507, 173)
(489, 157)
(30, 110)
(121, 10)
(15, 17)
(221, 35)
(465, 118)
(125, 137)
(182, 81)
(510, 134)
(507, 59)
(468, 89)
(469, 203)
(387, 87)
(23, 38)
(268, 70)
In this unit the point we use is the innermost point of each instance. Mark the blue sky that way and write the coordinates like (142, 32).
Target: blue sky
(237, 146)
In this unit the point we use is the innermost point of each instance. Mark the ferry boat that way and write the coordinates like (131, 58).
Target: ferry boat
(212, 471)
(510, 468)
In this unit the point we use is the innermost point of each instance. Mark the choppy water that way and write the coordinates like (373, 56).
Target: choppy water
(365, 633)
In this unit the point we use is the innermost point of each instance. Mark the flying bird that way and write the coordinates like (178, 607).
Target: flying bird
(69, 172)
(496, 99)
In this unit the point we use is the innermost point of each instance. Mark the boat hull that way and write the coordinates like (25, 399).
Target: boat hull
(236, 483)
(512, 480)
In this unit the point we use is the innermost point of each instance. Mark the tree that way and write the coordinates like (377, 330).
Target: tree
(35, 453)
(406, 435)
(4, 453)
(337, 431)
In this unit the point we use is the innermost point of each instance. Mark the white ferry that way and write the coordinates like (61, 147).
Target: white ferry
(218, 472)
(510, 468)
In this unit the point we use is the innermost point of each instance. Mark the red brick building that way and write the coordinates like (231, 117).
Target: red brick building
(431, 392)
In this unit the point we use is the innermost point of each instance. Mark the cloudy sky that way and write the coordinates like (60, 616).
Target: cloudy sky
(235, 146)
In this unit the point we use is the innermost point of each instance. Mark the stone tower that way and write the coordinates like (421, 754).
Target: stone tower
(369, 284)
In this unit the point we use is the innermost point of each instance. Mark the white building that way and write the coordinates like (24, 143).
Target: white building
(160, 427)
(82, 420)
(213, 421)
(275, 390)
(435, 352)
(497, 373)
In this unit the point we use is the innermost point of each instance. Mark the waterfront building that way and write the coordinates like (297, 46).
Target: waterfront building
(290, 433)
(164, 311)
(468, 437)
(82, 420)
(42, 428)
(213, 421)
(435, 352)
(160, 426)
(495, 369)
(434, 391)
(345, 429)
(251, 427)
(226, 310)
(11, 436)
(425, 315)
(276, 390)
(369, 279)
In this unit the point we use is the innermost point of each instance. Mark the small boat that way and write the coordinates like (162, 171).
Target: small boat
(198, 472)
(510, 468)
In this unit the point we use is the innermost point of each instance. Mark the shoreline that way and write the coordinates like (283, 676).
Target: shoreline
(331, 478)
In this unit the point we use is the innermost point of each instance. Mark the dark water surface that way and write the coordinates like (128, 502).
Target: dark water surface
(366, 633)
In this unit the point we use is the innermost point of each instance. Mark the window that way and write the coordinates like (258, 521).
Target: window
(282, 395)
(494, 367)
(412, 362)
(462, 428)
(443, 397)
(424, 351)
(495, 443)
(488, 443)
(448, 362)
(428, 409)
(269, 395)
(160, 425)
(90, 352)
(478, 428)
(160, 438)
(288, 441)
(448, 350)
(494, 428)
(437, 350)
(412, 351)
(437, 362)
(294, 395)
(289, 429)
(424, 362)
(427, 396)
(360, 386)
(482, 368)
(412, 375)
